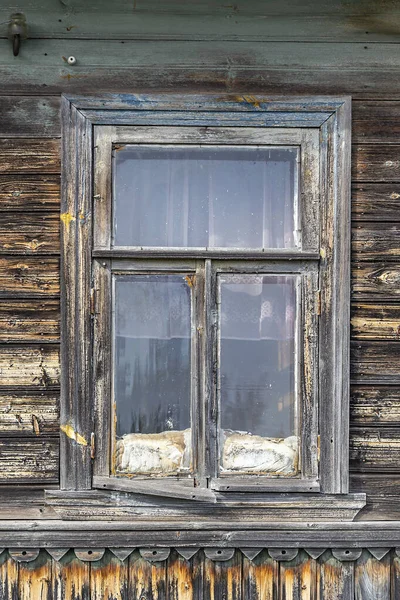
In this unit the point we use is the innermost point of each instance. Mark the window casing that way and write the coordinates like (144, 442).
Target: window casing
(308, 268)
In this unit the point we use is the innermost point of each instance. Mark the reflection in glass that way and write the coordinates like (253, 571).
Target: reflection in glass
(205, 197)
(152, 354)
(257, 374)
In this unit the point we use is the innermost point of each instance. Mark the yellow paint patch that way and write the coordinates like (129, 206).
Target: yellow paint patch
(73, 435)
(66, 218)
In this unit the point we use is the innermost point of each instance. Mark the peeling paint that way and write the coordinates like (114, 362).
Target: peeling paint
(67, 218)
(73, 435)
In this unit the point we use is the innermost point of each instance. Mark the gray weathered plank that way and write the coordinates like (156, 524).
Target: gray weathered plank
(29, 460)
(29, 414)
(373, 405)
(29, 116)
(29, 366)
(29, 320)
(374, 449)
(375, 362)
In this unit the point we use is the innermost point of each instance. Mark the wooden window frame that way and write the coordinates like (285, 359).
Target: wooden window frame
(91, 125)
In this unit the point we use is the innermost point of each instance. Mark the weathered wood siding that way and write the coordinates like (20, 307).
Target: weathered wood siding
(311, 574)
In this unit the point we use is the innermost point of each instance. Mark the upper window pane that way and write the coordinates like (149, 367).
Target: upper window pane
(205, 197)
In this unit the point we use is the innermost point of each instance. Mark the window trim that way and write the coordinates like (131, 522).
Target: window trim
(80, 116)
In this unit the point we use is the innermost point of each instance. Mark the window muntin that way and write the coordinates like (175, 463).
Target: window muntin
(258, 373)
(206, 197)
(152, 373)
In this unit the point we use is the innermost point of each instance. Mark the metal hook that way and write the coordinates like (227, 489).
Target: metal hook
(16, 44)
(17, 31)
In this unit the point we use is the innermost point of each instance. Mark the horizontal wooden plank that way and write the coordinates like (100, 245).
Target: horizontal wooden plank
(375, 202)
(375, 449)
(376, 163)
(375, 321)
(24, 502)
(212, 21)
(318, 68)
(29, 460)
(374, 241)
(376, 122)
(29, 116)
(374, 405)
(29, 192)
(376, 281)
(29, 414)
(375, 361)
(383, 493)
(29, 276)
(22, 155)
(29, 366)
(29, 320)
(29, 233)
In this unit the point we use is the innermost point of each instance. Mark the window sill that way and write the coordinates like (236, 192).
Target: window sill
(255, 508)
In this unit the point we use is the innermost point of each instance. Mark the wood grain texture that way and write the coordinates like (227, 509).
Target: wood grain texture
(376, 281)
(30, 116)
(374, 449)
(29, 155)
(377, 202)
(372, 577)
(185, 577)
(35, 578)
(298, 578)
(260, 578)
(375, 362)
(71, 578)
(109, 578)
(146, 580)
(34, 414)
(376, 163)
(335, 579)
(374, 405)
(29, 192)
(376, 241)
(29, 320)
(222, 579)
(29, 460)
(29, 366)
(8, 577)
(29, 277)
(29, 233)
(376, 321)
(376, 122)
(383, 491)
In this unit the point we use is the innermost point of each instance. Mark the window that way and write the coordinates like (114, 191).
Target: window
(206, 289)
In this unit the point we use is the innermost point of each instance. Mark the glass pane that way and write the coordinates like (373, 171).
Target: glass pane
(152, 374)
(205, 197)
(257, 374)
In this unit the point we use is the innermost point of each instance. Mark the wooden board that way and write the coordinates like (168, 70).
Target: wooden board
(33, 414)
(29, 233)
(375, 202)
(29, 155)
(29, 460)
(29, 320)
(318, 68)
(29, 277)
(374, 449)
(376, 321)
(30, 117)
(375, 362)
(376, 241)
(29, 192)
(376, 281)
(383, 492)
(375, 405)
(376, 163)
(375, 122)
(29, 366)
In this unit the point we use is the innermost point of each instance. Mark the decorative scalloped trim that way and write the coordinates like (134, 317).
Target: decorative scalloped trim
(218, 554)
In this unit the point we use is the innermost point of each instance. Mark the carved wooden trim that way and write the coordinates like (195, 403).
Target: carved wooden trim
(161, 554)
(283, 554)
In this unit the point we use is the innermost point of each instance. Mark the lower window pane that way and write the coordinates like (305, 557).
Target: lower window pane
(152, 374)
(257, 347)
